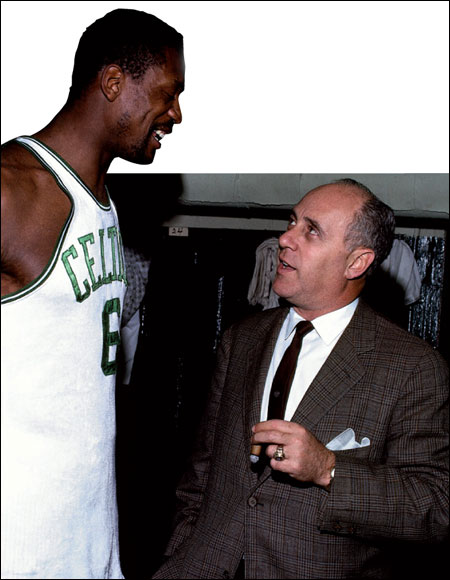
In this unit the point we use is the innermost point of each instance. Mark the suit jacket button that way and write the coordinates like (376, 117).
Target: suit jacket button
(337, 527)
(252, 501)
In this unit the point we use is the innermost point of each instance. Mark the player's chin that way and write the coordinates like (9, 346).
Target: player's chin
(142, 153)
(141, 158)
(145, 161)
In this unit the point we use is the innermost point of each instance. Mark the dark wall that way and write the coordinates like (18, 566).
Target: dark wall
(197, 287)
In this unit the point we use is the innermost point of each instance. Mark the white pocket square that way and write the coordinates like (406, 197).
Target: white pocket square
(346, 440)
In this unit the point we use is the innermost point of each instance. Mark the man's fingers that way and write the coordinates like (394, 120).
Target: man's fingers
(271, 437)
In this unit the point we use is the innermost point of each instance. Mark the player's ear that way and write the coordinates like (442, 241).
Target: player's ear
(358, 262)
(112, 78)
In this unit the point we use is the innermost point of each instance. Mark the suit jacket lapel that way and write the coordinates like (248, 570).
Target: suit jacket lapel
(258, 364)
(341, 371)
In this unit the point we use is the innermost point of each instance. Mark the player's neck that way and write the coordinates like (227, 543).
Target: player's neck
(69, 136)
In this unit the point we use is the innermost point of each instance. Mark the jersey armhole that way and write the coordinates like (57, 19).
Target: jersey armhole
(48, 269)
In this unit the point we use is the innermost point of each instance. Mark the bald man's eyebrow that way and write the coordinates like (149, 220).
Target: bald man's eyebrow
(314, 224)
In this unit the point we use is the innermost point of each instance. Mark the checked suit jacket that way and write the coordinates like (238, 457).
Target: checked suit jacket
(379, 380)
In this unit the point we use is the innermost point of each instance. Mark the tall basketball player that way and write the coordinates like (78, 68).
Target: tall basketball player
(63, 281)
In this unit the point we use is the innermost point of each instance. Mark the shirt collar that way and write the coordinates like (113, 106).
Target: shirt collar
(328, 326)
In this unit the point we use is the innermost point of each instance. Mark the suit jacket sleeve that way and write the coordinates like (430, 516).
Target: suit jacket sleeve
(403, 494)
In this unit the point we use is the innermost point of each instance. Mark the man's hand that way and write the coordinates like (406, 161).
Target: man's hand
(306, 458)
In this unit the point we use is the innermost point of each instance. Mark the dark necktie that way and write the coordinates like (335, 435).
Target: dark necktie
(282, 381)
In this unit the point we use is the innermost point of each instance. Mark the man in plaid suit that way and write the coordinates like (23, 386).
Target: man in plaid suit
(363, 443)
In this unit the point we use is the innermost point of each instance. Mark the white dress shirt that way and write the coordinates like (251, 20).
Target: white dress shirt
(316, 347)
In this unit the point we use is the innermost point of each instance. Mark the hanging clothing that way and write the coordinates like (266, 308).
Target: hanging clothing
(260, 289)
(402, 267)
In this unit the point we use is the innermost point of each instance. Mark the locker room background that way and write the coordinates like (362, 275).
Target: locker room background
(197, 287)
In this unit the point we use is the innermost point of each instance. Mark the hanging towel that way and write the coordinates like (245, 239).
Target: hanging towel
(260, 289)
(402, 267)
(137, 268)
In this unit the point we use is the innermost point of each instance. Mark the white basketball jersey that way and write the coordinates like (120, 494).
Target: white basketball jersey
(60, 336)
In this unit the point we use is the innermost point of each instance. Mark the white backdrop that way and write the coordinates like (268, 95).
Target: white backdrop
(337, 87)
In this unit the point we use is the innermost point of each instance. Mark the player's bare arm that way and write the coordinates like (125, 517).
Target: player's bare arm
(33, 213)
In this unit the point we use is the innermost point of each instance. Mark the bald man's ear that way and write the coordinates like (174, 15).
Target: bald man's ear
(358, 262)
(112, 78)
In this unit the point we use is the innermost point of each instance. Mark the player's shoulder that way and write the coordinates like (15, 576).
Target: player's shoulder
(22, 174)
(14, 156)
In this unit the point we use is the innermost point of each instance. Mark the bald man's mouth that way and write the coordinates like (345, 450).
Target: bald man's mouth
(284, 267)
